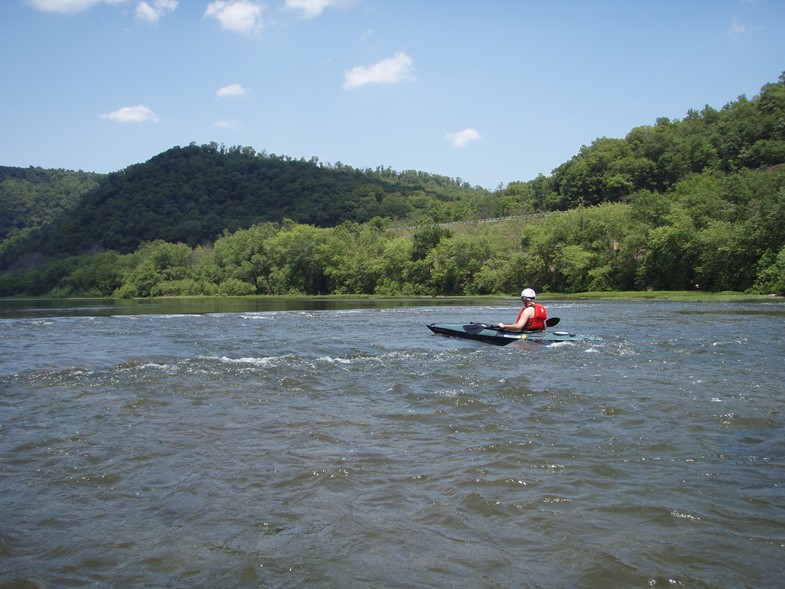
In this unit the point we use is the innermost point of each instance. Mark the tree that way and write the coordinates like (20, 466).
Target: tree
(298, 265)
(99, 275)
(352, 255)
(245, 256)
(455, 262)
(670, 259)
(156, 266)
(771, 273)
(725, 258)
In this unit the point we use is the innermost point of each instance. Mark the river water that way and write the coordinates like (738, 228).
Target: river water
(346, 446)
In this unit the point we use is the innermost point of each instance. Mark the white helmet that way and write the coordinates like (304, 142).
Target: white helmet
(528, 293)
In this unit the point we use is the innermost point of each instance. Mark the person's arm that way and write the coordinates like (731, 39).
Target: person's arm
(522, 320)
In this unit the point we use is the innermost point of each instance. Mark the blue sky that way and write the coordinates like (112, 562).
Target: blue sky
(487, 91)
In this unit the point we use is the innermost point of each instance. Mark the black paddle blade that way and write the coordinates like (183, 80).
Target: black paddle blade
(477, 327)
(552, 321)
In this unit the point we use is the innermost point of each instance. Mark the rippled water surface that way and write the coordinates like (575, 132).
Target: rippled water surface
(353, 448)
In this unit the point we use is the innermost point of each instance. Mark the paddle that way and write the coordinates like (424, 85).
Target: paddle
(478, 327)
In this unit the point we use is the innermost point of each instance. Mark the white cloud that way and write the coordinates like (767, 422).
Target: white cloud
(228, 124)
(231, 90)
(388, 71)
(155, 9)
(240, 16)
(68, 6)
(146, 10)
(313, 8)
(737, 28)
(132, 114)
(462, 138)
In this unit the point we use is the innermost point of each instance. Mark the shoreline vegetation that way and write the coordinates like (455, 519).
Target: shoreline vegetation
(692, 204)
(652, 295)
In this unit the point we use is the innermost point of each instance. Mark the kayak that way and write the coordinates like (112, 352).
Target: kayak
(492, 334)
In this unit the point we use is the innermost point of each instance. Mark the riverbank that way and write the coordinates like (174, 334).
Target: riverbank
(284, 302)
(669, 295)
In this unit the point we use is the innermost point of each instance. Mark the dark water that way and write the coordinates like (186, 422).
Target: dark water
(352, 448)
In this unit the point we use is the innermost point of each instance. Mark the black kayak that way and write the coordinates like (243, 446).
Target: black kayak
(492, 334)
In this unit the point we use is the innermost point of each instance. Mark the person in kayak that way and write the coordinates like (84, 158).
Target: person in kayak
(531, 318)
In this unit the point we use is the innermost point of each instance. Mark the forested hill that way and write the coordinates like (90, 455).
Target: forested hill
(691, 203)
(746, 134)
(193, 194)
(31, 197)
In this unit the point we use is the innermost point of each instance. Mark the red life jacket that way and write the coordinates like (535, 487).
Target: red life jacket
(537, 322)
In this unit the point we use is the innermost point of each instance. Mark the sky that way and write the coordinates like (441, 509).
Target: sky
(488, 92)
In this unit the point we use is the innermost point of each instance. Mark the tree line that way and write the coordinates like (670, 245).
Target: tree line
(714, 232)
(685, 204)
(192, 194)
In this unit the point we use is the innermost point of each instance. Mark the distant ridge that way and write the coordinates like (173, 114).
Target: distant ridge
(193, 194)
(681, 204)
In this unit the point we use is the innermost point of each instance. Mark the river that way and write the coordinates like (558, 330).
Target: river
(345, 446)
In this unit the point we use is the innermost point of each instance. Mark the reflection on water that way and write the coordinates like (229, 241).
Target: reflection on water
(16, 308)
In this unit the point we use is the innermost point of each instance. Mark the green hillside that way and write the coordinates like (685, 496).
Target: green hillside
(697, 203)
(192, 194)
(32, 197)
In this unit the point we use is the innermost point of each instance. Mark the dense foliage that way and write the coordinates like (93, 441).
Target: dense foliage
(696, 203)
(32, 197)
(744, 135)
(192, 194)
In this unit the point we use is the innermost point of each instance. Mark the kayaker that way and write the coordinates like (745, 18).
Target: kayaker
(532, 317)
